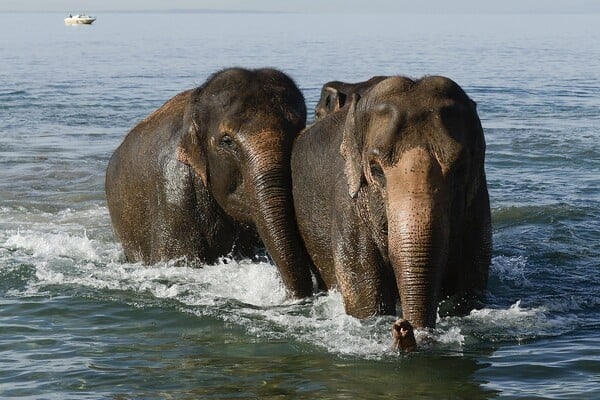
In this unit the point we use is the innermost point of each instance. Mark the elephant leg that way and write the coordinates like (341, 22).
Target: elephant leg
(478, 245)
(185, 222)
(367, 287)
(467, 275)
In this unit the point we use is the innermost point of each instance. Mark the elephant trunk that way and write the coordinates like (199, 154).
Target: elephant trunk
(275, 218)
(418, 235)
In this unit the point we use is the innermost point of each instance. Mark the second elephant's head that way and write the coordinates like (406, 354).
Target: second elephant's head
(415, 151)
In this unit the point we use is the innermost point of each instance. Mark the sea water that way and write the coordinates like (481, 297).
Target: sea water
(78, 322)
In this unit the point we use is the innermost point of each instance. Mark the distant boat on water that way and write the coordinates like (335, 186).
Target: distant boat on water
(78, 19)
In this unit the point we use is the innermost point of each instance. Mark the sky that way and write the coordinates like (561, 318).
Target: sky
(310, 6)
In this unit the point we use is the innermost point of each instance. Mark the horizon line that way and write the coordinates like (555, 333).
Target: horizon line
(347, 12)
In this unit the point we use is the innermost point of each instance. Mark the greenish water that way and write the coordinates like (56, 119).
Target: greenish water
(105, 348)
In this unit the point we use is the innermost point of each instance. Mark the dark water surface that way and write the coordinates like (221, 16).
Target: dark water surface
(76, 322)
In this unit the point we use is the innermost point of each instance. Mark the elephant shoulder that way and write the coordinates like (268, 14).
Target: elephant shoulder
(316, 149)
(160, 131)
(164, 122)
(324, 133)
(173, 108)
(151, 145)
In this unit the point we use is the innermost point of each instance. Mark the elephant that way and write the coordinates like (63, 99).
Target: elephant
(208, 175)
(391, 200)
(334, 94)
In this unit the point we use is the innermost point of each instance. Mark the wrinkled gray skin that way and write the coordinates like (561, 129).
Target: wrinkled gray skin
(335, 94)
(391, 199)
(208, 174)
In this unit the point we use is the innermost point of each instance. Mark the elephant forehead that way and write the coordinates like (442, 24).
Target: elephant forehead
(249, 104)
(228, 126)
(397, 118)
(446, 125)
(253, 125)
(427, 129)
(434, 135)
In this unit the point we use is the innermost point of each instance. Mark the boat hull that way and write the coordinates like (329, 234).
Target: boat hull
(79, 21)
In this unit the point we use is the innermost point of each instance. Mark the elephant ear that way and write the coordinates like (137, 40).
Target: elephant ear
(478, 155)
(190, 151)
(350, 150)
(334, 100)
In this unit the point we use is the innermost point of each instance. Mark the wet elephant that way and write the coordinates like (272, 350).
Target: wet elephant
(208, 175)
(391, 199)
(335, 94)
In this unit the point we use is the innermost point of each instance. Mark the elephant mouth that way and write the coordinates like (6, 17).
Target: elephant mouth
(238, 207)
(234, 185)
(238, 201)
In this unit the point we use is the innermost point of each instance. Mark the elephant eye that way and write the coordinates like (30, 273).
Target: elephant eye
(377, 172)
(226, 141)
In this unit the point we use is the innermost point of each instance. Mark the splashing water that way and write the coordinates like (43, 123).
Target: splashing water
(251, 295)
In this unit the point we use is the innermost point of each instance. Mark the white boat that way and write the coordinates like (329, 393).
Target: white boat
(79, 19)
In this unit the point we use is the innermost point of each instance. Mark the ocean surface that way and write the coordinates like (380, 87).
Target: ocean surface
(77, 322)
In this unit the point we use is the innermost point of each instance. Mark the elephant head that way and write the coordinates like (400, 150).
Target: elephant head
(240, 128)
(335, 94)
(415, 151)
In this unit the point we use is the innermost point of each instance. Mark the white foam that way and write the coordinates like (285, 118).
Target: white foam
(251, 283)
(514, 314)
(62, 220)
(324, 323)
(56, 244)
(452, 336)
(252, 295)
(518, 323)
(511, 269)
